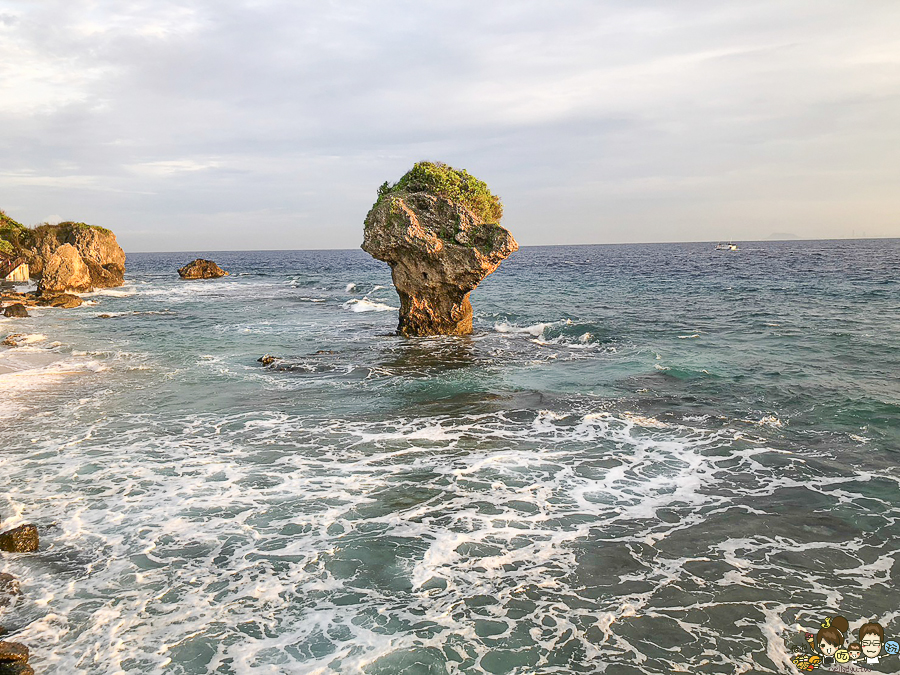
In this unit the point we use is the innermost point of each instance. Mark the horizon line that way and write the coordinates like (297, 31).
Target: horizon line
(631, 243)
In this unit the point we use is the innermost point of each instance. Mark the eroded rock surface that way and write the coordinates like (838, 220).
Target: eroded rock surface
(201, 269)
(65, 270)
(432, 229)
(97, 249)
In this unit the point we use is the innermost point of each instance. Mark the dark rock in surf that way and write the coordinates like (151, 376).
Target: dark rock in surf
(22, 539)
(201, 269)
(9, 588)
(15, 668)
(13, 340)
(268, 360)
(64, 300)
(13, 651)
(16, 311)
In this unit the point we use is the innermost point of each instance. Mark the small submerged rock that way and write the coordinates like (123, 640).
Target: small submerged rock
(22, 539)
(201, 269)
(9, 588)
(268, 359)
(16, 311)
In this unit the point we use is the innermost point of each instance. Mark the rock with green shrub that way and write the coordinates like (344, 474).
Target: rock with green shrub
(438, 228)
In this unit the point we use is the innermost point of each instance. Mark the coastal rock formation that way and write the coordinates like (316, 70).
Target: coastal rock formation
(16, 311)
(102, 254)
(437, 229)
(65, 270)
(201, 269)
(64, 300)
(22, 539)
(96, 246)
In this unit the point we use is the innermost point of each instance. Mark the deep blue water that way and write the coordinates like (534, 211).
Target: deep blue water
(646, 459)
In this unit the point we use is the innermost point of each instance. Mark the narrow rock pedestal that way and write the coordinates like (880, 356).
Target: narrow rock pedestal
(437, 229)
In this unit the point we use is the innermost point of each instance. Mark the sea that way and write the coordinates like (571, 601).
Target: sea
(645, 459)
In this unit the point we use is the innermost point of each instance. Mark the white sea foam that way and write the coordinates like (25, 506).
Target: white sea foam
(350, 288)
(122, 292)
(535, 329)
(363, 305)
(253, 537)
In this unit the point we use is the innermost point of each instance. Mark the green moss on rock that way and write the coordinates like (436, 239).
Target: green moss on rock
(457, 185)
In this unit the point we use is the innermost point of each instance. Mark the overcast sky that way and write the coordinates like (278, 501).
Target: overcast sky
(219, 124)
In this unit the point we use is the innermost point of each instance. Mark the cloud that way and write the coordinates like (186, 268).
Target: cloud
(595, 121)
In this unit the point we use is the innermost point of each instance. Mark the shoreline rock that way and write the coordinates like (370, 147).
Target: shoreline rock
(94, 259)
(22, 539)
(201, 269)
(437, 228)
(65, 270)
(16, 310)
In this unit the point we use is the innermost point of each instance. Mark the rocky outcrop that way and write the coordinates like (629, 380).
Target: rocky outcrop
(65, 270)
(14, 659)
(22, 539)
(16, 311)
(201, 269)
(96, 247)
(437, 228)
(64, 300)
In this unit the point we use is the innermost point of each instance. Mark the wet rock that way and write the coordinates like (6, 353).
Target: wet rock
(64, 300)
(8, 586)
(201, 269)
(15, 668)
(16, 311)
(22, 539)
(13, 340)
(65, 270)
(267, 360)
(437, 229)
(104, 316)
(9, 589)
(13, 651)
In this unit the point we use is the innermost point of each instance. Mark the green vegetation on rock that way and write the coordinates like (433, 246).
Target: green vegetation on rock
(457, 185)
(12, 234)
(15, 237)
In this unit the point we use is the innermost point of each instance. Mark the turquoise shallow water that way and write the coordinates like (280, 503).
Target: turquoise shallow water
(647, 459)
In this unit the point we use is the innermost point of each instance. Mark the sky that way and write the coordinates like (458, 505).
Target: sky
(224, 125)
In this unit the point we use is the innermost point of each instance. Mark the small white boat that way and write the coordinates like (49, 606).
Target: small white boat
(726, 247)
